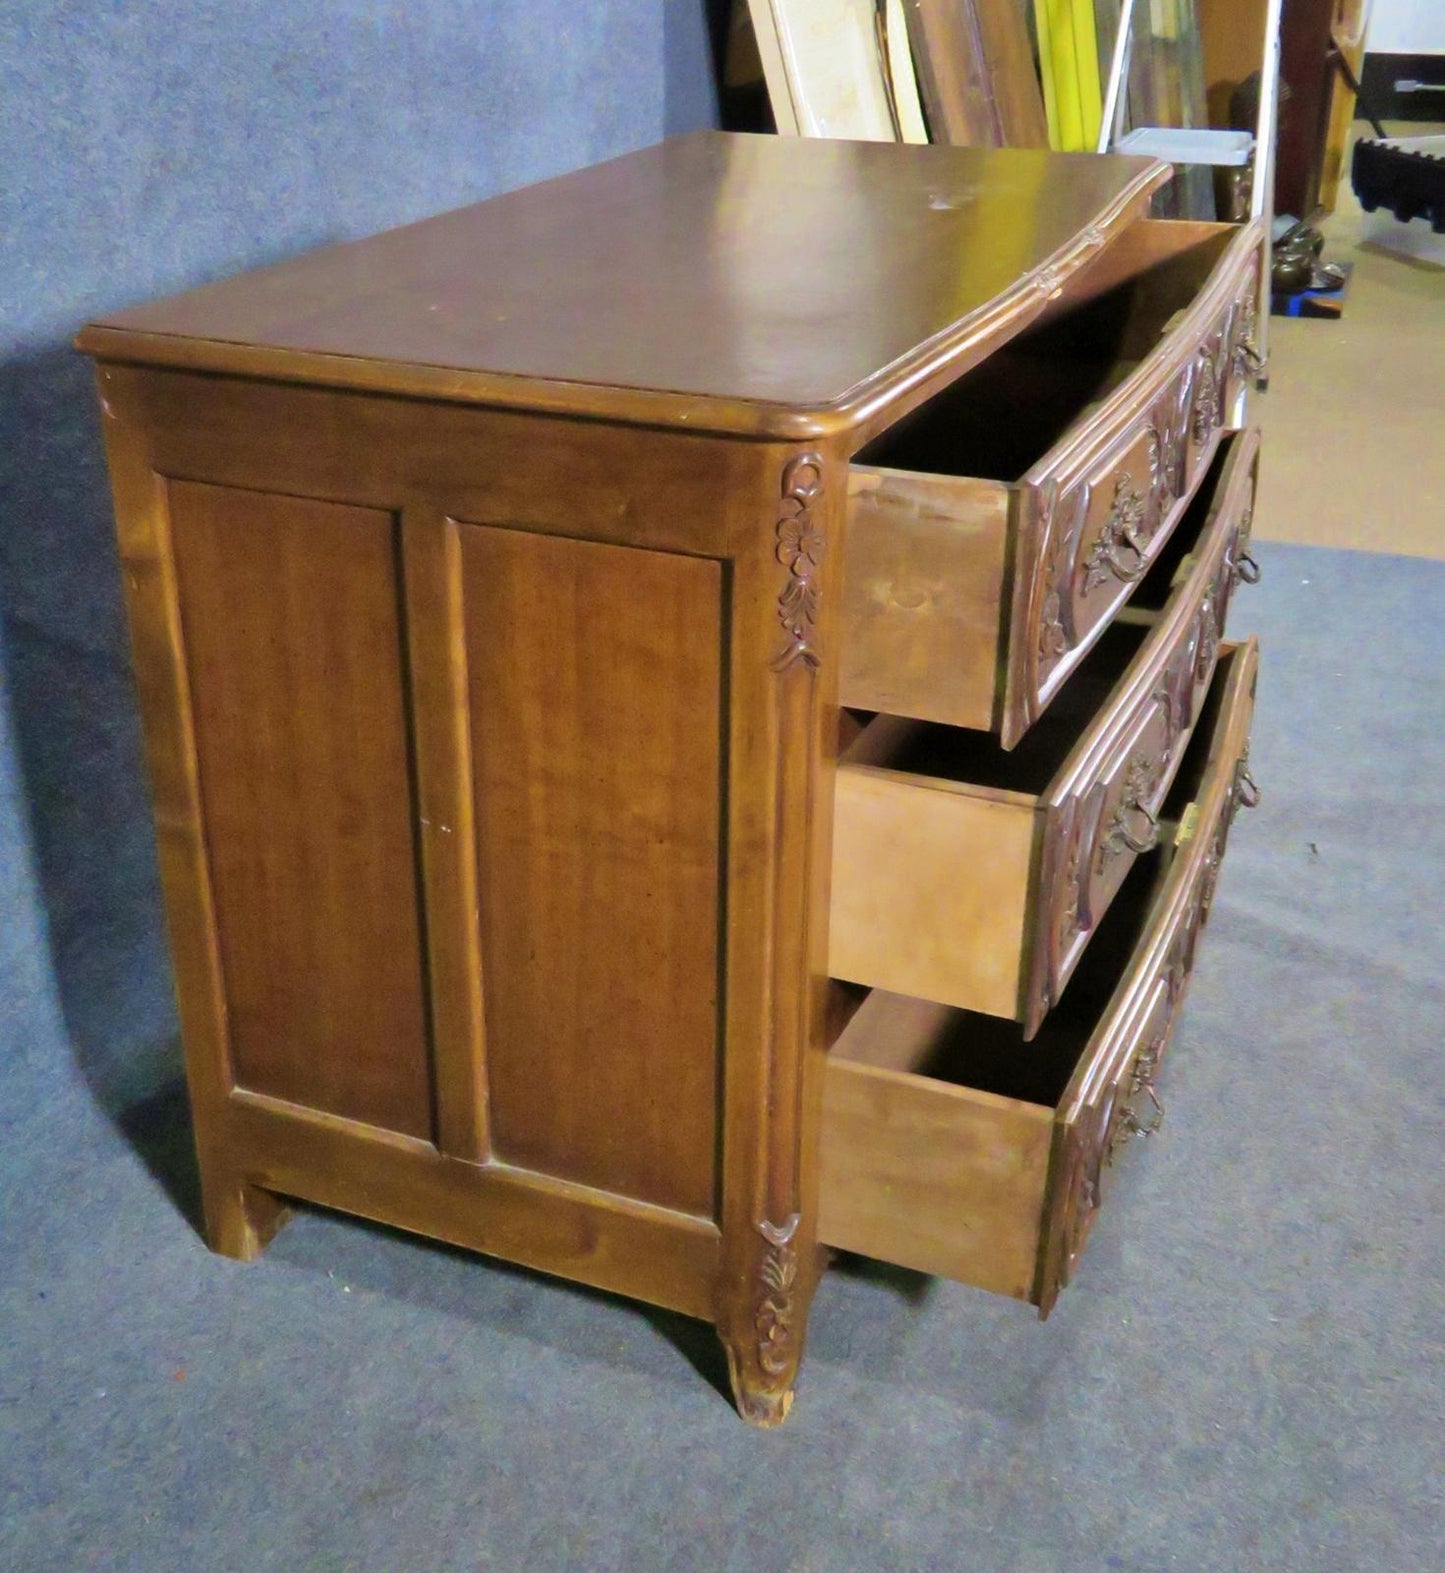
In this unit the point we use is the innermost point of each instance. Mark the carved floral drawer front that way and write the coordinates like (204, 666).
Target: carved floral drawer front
(1107, 814)
(952, 1147)
(1097, 511)
(1115, 1097)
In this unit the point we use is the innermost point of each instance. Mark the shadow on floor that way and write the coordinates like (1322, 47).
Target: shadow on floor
(425, 1272)
(159, 1128)
(398, 1265)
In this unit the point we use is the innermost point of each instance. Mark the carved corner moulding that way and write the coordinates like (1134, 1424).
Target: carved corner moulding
(1208, 642)
(1238, 562)
(1056, 635)
(1047, 281)
(1206, 400)
(1176, 697)
(776, 1276)
(1083, 1184)
(1069, 914)
(1167, 451)
(766, 1401)
(1248, 362)
(1074, 915)
(800, 550)
(1074, 909)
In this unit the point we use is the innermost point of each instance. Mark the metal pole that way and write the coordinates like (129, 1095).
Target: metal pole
(1118, 66)
(1261, 195)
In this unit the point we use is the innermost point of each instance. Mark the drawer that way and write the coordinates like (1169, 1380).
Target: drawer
(995, 532)
(951, 1147)
(975, 877)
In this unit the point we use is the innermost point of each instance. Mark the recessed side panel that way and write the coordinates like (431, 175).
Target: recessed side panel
(289, 614)
(594, 691)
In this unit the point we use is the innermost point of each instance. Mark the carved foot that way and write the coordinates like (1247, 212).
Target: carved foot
(241, 1219)
(762, 1331)
(761, 1402)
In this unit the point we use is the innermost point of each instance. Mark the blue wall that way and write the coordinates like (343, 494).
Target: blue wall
(147, 145)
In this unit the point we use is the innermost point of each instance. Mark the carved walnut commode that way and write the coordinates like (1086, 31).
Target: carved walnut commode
(520, 597)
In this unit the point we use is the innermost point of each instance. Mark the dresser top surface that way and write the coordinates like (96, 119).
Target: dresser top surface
(765, 285)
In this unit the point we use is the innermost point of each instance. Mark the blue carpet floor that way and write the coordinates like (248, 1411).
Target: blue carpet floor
(1247, 1374)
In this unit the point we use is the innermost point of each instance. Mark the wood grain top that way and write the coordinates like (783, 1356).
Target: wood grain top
(766, 285)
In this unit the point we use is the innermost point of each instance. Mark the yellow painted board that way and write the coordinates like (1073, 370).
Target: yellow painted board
(1069, 66)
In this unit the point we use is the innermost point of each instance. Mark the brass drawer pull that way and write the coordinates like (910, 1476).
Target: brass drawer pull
(1141, 1079)
(1130, 1122)
(1125, 530)
(1141, 780)
(1247, 790)
(1106, 552)
(1138, 784)
(1249, 357)
(1246, 568)
(1121, 831)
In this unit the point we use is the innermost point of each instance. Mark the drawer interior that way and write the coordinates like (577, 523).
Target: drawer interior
(987, 1054)
(949, 1143)
(1188, 783)
(1172, 562)
(962, 755)
(947, 753)
(939, 1124)
(998, 420)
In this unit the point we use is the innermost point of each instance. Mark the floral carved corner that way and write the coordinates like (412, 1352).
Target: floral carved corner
(777, 1275)
(763, 1385)
(800, 550)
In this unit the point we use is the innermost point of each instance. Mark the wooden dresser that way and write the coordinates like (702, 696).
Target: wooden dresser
(687, 711)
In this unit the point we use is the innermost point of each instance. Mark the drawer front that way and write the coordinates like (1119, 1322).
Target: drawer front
(1094, 513)
(1113, 1095)
(1104, 807)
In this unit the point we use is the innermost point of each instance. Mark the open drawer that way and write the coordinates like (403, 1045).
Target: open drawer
(950, 1146)
(975, 877)
(995, 531)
